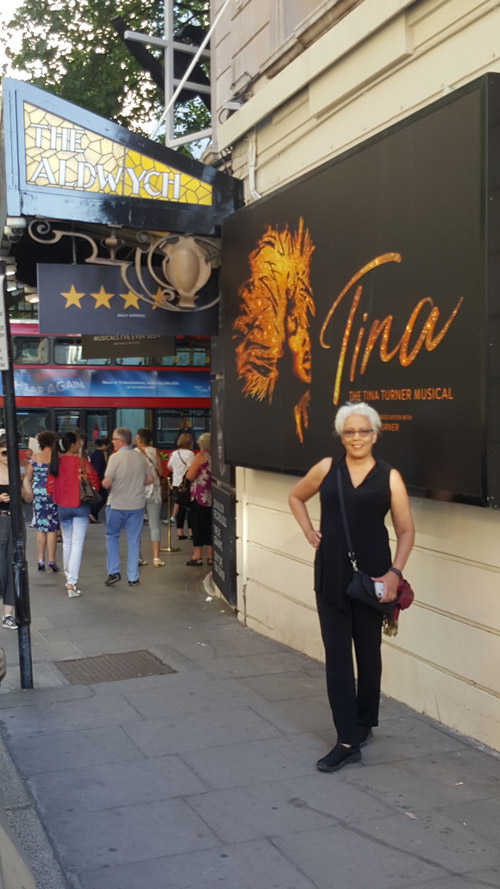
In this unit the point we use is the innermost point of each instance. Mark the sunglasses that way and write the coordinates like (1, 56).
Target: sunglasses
(3, 453)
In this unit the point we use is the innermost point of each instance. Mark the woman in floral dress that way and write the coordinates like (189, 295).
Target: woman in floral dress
(200, 476)
(45, 513)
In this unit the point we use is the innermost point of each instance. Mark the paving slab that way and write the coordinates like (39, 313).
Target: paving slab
(439, 781)
(114, 785)
(186, 732)
(347, 856)
(482, 816)
(434, 837)
(240, 765)
(126, 834)
(47, 752)
(68, 716)
(240, 866)
(475, 879)
(271, 809)
(177, 698)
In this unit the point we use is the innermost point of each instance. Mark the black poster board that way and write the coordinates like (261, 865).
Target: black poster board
(224, 541)
(372, 279)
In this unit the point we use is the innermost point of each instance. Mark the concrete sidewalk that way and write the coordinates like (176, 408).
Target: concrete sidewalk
(205, 778)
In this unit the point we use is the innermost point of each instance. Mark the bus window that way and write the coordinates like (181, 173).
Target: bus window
(67, 420)
(98, 425)
(29, 424)
(31, 349)
(168, 424)
(164, 360)
(200, 357)
(138, 362)
(68, 350)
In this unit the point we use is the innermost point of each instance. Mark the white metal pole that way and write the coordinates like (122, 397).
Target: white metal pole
(169, 106)
(168, 114)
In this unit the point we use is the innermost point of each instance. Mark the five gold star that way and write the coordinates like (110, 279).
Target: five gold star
(102, 298)
(130, 299)
(72, 297)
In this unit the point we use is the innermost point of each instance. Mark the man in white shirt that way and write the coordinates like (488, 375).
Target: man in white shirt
(125, 477)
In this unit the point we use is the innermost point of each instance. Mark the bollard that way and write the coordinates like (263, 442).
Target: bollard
(169, 548)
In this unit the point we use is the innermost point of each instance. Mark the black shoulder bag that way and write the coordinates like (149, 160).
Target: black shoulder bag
(361, 587)
(183, 497)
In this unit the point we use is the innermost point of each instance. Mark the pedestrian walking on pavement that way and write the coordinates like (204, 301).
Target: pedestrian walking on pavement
(66, 470)
(99, 459)
(126, 476)
(6, 551)
(143, 441)
(45, 512)
(370, 489)
(179, 462)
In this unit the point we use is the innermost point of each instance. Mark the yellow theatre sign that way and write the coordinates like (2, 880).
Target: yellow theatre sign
(60, 154)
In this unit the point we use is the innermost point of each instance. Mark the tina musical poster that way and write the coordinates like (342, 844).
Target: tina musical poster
(367, 280)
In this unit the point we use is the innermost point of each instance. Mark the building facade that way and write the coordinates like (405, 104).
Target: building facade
(298, 83)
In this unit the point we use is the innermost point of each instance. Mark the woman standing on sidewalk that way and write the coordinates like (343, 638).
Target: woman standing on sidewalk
(370, 489)
(180, 461)
(66, 469)
(143, 442)
(6, 555)
(200, 476)
(45, 514)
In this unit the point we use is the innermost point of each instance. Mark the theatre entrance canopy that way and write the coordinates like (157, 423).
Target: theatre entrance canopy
(114, 232)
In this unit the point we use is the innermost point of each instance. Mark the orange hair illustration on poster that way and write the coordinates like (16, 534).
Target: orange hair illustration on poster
(276, 303)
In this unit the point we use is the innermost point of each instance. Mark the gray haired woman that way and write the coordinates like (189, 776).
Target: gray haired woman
(370, 489)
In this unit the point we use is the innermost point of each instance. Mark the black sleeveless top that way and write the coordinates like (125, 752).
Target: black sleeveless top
(366, 508)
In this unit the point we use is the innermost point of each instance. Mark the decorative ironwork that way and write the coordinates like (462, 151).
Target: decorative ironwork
(173, 283)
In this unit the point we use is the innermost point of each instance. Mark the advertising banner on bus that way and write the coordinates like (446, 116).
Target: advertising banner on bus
(126, 383)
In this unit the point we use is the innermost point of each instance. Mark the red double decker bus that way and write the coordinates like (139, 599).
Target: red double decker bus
(56, 388)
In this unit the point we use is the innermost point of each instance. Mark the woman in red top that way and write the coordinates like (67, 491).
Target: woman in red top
(65, 470)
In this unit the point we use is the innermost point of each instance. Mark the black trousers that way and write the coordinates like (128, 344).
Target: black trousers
(6, 556)
(352, 707)
(201, 523)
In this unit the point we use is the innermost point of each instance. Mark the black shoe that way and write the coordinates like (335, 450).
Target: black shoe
(112, 578)
(338, 757)
(134, 583)
(365, 735)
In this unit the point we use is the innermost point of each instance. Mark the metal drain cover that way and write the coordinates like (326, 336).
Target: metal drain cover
(112, 667)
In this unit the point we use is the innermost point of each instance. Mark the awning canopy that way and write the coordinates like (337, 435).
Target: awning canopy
(67, 163)
(87, 204)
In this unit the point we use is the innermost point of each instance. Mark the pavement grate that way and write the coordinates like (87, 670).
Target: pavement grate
(112, 667)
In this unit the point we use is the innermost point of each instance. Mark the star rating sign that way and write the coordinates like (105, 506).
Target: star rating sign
(158, 298)
(102, 298)
(72, 297)
(130, 299)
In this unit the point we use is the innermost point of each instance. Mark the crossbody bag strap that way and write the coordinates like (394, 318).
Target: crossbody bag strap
(350, 551)
(148, 458)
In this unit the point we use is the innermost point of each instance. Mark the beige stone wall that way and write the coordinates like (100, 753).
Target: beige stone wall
(380, 62)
